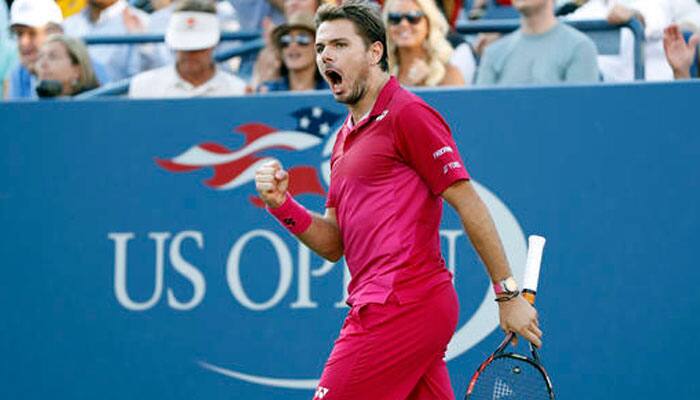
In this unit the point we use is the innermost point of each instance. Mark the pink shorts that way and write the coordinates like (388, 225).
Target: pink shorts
(393, 351)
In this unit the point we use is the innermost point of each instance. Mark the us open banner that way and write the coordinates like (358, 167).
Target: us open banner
(136, 262)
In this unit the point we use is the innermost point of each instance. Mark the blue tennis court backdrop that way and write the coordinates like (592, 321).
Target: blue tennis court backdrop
(137, 264)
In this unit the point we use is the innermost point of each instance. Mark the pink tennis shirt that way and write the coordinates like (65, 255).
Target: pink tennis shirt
(387, 174)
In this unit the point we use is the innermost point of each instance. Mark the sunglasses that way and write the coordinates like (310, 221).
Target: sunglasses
(301, 39)
(412, 17)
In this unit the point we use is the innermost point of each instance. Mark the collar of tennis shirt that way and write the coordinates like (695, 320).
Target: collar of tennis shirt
(385, 95)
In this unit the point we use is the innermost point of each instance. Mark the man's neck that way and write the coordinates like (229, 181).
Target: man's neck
(198, 79)
(94, 12)
(539, 22)
(376, 82)
(303, 79)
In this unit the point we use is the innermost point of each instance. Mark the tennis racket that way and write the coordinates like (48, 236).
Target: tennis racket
(511, 376)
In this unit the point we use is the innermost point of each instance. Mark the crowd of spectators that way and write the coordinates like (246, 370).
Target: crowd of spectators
(42, 55)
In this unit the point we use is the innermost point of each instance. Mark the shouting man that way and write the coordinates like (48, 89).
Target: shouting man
(393, 163)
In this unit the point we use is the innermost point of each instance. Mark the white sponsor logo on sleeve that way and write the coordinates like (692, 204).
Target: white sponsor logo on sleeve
(453, 165)
(446, 149)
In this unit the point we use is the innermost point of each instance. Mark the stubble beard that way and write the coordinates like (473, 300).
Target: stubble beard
(356, 94)
(359, 89)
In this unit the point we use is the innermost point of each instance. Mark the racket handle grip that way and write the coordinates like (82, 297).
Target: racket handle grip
(532, 267)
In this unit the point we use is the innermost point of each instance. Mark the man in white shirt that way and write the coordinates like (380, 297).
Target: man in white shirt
(656, 15)
(193, 32)
(613, 67)
(114, 17)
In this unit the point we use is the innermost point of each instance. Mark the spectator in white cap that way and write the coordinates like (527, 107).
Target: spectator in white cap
(31, 22)
(228, 22)
(193, 32)
(114, 17)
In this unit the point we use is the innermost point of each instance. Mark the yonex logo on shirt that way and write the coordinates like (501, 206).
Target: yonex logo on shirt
(446, 149)
(453, 165)
(321, 392)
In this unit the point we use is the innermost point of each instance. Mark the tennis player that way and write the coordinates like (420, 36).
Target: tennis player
(393, 163)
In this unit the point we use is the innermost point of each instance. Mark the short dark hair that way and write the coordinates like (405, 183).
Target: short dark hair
(367, 20)
(206, 6)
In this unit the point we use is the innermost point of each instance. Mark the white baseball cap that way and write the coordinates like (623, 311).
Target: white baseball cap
(35, 13)
(192, 30)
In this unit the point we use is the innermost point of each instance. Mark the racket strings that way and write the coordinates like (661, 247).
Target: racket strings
(508, 378)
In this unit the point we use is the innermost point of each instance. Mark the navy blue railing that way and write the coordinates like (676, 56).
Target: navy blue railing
(156, 38)
(121, 87)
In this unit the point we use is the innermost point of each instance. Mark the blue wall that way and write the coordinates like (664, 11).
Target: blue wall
(609, 174)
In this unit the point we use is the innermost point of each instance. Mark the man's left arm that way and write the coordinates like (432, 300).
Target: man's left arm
(516, 314)
(583, 67)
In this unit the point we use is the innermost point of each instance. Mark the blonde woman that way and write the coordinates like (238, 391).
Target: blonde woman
(65, 60)
(419, 52)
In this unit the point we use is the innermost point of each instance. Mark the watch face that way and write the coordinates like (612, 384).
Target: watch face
(509, 285)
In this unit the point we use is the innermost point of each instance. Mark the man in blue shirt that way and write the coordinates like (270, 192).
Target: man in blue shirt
(114, 17)
(31, 21)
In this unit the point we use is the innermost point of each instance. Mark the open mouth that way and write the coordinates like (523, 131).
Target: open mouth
(335, 79)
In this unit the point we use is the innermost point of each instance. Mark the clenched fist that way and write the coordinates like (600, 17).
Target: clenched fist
(272, 181)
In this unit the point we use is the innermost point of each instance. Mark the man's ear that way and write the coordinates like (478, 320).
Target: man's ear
(376, 52)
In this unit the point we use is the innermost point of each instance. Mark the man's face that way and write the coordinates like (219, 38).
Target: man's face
(343, 60)
(194, 62)
(29, 41)
(530, 7)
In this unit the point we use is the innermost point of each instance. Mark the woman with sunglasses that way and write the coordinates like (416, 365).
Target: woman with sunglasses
(419, 52)
(294, 42)
(268, 61)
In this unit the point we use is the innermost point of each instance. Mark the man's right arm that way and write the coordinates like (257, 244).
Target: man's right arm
(322, 234)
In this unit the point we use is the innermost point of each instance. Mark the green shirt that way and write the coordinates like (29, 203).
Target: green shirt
(561, 54)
